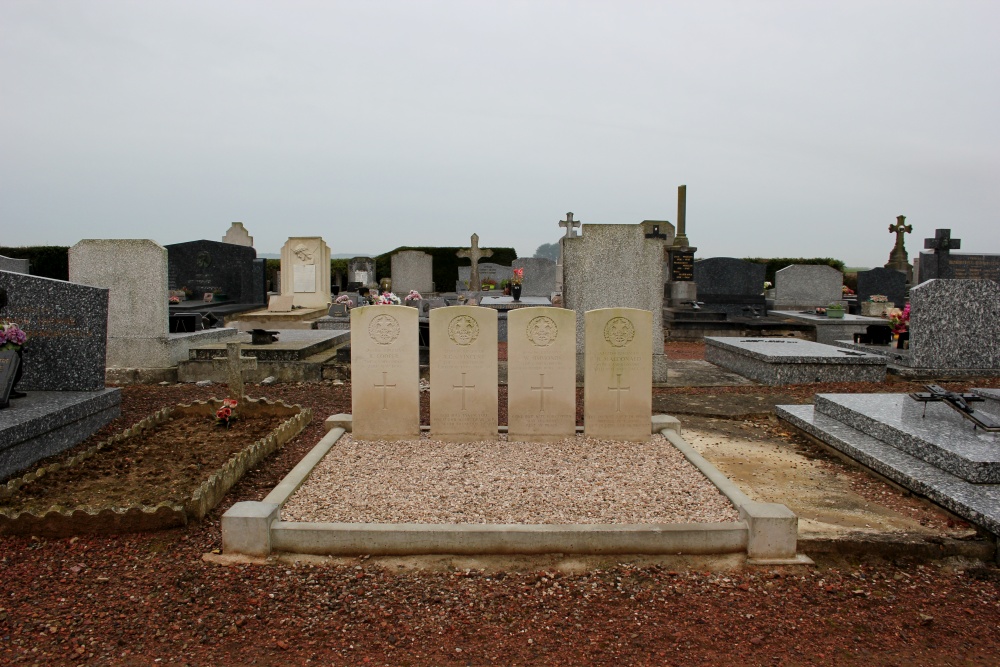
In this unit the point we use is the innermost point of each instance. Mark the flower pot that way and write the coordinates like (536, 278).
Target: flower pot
(515, 291)
(835, 313)
(14, 393)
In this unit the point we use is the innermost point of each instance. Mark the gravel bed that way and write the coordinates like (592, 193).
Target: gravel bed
(574, 481)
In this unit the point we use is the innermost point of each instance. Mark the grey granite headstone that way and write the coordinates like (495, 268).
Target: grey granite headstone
(539, 276)
(214, 266)
(14, 265)
(954, 324)
(361, 270)
(888, 282)
(412, 270)
(67, 328)
(612, 266)
(489, 270)
(807, 286)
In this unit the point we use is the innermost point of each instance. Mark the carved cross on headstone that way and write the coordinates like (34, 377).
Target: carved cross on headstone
(656, 233)
(897, 258)
(942, 244)
(474, 254)
(569, 224)
(235, 365)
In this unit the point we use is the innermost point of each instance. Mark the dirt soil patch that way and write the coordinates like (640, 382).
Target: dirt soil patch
(164, 464)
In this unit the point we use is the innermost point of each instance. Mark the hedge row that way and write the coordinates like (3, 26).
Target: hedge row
(48, 261)
(446, 263)
(775, 264)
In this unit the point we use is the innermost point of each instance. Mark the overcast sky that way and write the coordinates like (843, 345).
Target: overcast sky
(800, 128)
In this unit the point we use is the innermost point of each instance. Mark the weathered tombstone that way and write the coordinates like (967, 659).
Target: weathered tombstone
(214, 266)
(280, 303)
(412, 270)
(729, 285)
(238, 235)
(463, 373)
(487, 271)
(385, 375)
(361, 270)
(474, 254)
(898, 259)
(305, 271)
(541, 374)
(14, 265)
(807, 286)
(938, 264)
(570, 225)
(618, 383)
(539, 276)
(890, 283)
(616, 266)
(953, 324)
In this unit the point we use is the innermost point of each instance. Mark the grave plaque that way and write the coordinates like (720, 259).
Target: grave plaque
(8, 369)
(681, 266)
(541, 374)
(385, 374)
(618, 381)
(304, 277)
(463, 356)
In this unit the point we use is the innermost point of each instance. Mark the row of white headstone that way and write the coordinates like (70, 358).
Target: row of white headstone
(541, 363)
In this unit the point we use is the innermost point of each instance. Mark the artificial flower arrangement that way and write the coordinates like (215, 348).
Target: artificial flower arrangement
(878, 298)
(899, 320)
(489, 284)
(386, 299)
(414, 295)
(767, 285)
(174, 299)
(12, 337)
(846, 291)
(518, 277)
(226, 414)
(346, 300)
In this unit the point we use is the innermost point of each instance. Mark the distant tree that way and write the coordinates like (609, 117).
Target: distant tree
(548, 251)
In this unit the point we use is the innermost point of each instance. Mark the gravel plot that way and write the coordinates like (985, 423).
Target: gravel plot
(577, 480)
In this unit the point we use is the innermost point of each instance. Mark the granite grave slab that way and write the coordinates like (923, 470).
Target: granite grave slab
(778, 361)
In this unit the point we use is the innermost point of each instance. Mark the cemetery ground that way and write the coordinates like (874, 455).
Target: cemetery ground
(896, 580)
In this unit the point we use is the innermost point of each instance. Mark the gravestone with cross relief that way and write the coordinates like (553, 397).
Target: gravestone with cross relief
(235, 363)
(938, 263)
(541, 374)
(474, 254)
(385, 373)
(570, 225)
(618, 374)
(463, 373)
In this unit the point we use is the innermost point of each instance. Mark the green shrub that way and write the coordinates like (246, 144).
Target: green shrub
(775, 264)
(446, 263)
(48, 261)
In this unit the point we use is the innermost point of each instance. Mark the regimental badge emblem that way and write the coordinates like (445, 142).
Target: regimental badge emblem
(384, 329)
(619, 331)
(542, 330)
(464, 330)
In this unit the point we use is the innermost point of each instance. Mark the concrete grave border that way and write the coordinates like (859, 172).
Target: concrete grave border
(766, 532)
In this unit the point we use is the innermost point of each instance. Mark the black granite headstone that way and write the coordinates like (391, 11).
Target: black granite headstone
(681, 266)
(888, 282)
(213, 266)
(8, 369)
(730, 285)
(67, 328)
(964, 266)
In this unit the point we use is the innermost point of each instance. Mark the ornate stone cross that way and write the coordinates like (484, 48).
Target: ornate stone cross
(474, 254)
(235, 364)
(897, 258)
(569, 224)
(942, 244)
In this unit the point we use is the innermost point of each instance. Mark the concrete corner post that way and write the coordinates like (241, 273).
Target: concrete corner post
(246, 528)
(773, 530)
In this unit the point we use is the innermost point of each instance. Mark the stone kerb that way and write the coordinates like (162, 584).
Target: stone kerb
(807, 286)
(14, 265)
(385, 373)
(463, 373)
(305, 271)
(618, 381)
(953, 324)
(412, 270)
(541, 374)
(539, 276)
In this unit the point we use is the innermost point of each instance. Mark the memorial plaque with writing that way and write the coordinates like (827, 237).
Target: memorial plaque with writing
(463, 355)
(541, 374)
(385, 373)
(681, 266)
(8, 369)
(213, 266)
(618, 374)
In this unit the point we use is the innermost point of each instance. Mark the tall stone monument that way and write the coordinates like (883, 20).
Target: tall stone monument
(305, 271)
(617, 266)
(474, 254)
(570, 225)
(681, 287)
(898, 259)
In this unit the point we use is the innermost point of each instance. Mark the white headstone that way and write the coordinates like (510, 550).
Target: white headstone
(238, 235)
(305, 271)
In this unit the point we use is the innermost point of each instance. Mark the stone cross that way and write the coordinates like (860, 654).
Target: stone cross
(541, 389)
(463, 387)
(942, 244)
(235, 365)
(569, 223)
(897, 258)
(474, 254)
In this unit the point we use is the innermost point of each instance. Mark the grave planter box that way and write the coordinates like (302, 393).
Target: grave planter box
(58, 521)
(873, 309)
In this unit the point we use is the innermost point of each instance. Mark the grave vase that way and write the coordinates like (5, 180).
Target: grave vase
(515, 291)
(14, 393)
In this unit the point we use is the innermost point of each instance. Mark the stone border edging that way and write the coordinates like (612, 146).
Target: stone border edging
(767, 532)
